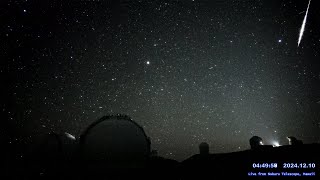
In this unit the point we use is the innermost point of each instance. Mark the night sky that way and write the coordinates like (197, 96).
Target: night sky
(186, 71)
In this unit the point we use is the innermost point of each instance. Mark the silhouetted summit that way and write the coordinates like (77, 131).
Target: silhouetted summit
(116, 147)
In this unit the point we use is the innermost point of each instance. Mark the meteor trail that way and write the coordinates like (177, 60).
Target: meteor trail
(70, 136)
(303, 25)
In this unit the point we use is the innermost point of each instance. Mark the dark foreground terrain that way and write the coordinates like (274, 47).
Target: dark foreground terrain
(51, 162)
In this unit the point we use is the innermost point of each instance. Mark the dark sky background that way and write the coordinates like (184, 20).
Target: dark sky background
(186, 71)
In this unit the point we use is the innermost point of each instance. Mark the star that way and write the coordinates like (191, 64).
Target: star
(212, 75)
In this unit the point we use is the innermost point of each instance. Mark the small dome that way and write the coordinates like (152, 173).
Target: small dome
(255, 141)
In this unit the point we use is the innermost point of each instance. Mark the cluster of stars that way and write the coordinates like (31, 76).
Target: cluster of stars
(187, 72)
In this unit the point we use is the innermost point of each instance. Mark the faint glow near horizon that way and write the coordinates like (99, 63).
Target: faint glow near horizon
(275, 144)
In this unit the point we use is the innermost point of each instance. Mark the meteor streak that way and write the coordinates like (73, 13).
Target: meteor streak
(303, 25)
(70, 136)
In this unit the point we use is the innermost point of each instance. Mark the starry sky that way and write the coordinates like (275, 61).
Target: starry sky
(187, 71)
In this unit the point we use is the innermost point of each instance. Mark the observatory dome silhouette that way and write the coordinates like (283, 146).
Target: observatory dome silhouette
(117, 140)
